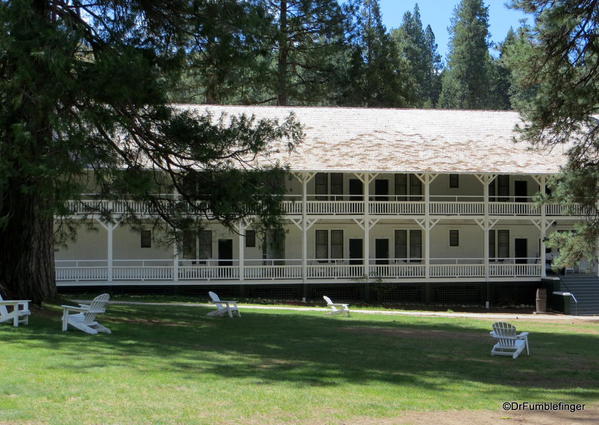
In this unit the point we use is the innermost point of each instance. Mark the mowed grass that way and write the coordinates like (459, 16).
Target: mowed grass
(174, 365)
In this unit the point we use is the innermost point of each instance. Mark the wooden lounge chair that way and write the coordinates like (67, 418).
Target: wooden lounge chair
(336, 308)
(18, 314)
(223, 307)
(84, 317)
(509, 343)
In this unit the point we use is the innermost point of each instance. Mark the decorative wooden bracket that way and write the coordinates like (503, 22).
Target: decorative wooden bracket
(423, 223)
(309, 223)
(108, 226)
(303, 177)
(366, 178)
(426, 178)
(363, 223)
(297, 222)
(485, 224)
(485, 179)
(543, 225)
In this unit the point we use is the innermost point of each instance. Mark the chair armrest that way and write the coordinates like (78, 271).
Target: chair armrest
(229, 301)
(13, 302)
(339, 305)
(73, 308)
(522, 335)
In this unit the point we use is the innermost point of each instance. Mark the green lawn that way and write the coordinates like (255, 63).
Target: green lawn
(174, 365)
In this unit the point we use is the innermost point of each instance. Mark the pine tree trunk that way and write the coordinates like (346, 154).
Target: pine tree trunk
(26, 247)
(27, 221)
(282, 97)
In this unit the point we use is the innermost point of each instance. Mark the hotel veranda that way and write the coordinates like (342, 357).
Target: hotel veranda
(415, 199)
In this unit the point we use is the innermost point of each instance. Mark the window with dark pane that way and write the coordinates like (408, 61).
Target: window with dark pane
(401, 244)
(250, 238)
(454, 181)
(189, 244)
(336, 243)
(454, 238)
(337, 185)
(322, 244)
(416, 245)
(146, 239)
(503, 188)
(401, 187)
(321, 184)
(415, 188)
(205, 244)
(503, 243)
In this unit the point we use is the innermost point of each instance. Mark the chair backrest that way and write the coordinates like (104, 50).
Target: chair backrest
(327, 299)
(97, 306)
(214, 297)
(506, 333)
(3, 310)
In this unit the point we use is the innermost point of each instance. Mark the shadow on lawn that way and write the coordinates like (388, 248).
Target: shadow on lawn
(314, 350)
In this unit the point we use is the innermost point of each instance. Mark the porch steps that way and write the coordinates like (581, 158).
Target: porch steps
(585, 288)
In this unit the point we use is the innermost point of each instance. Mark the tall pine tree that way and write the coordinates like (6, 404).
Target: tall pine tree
(307, 41)
(229, 54)
(417, 46)
(556, 78)
(432, 80)
(83, 87)
(501, 74)
(466, 81)
(377, 75)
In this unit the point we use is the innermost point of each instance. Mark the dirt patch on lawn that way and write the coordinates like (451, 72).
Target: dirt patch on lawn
(413, 333)
(148, 322)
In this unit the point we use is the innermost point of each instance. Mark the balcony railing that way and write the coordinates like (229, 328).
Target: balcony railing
(440, 205)
(292, 269)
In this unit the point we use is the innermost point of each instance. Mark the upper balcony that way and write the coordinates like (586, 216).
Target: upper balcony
(348, 205)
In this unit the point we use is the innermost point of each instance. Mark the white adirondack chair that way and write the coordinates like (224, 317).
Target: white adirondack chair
(19, 311)
(336, 308)
(223, 307)
(509, 343)
(84, 317)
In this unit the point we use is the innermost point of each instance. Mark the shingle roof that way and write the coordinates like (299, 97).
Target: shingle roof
(403, 140)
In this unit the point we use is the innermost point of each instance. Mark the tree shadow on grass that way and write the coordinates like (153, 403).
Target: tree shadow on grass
(319, 350)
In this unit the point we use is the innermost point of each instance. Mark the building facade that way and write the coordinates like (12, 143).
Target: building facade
(396, 196)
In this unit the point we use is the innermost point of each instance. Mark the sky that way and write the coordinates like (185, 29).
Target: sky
(437, 14)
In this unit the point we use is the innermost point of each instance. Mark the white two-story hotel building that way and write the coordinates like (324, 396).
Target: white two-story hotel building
(419, 200)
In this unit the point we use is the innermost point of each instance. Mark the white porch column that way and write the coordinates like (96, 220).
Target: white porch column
(366, 185)
(366, 179)
(486, 180)
(241, 256)
(543, 232)
(543, 224)
(304, 178)
(304, 229)
(427, 225)
(175, 262)
(109, 246)
(176, 245)
(109, 251)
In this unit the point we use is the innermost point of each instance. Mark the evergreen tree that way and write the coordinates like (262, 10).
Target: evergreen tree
(417, 46)
(556, 80)
(466, 82)
(376, 74)
(501, 75)
(307, 42)
(83, 87)
(229, 54)
(432, 80)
